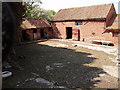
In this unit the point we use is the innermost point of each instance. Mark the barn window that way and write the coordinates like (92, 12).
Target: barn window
(78, 23)
(117, 21)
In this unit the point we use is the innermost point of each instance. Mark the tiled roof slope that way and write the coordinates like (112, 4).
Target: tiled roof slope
(116, 24)
(83, 13)
(35, 23)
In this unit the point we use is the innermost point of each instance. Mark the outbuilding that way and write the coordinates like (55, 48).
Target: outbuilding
(35, 29)
(85, 24)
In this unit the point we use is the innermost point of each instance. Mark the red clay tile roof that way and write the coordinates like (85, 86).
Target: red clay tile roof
(35, 23)
(83, 13)
(116, 24)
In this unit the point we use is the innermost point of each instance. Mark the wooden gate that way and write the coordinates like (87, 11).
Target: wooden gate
(76, 34)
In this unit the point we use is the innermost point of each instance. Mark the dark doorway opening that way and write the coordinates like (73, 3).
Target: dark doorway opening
(42, 33)
(24, 36)
(35, 34)
(34, 30)
(69, 32)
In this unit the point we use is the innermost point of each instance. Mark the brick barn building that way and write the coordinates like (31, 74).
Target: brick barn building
(114, 29)
(85, 23)
(35, 29)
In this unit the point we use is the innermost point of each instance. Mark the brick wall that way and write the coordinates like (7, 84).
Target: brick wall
(30, 34)
(90, 30)
(49, 32)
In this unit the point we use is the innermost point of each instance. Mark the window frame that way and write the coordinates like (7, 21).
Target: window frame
(78, 23)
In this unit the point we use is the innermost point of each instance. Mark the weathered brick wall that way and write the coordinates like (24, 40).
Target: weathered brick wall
(90, 30)
(46, 30)
(109, 36)
(30, 33)
(49, 32)
(60, 28)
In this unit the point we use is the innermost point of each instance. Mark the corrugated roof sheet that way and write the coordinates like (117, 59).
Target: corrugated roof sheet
(35, 23)
(83, 13)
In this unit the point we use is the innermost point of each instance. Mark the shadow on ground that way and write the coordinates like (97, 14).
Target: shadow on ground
(62, 66)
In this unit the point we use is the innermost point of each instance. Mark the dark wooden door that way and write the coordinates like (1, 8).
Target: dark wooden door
(42, 33)
(68, 32)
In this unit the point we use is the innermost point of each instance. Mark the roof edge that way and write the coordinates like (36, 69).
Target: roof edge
(103, 19)
(87, 6)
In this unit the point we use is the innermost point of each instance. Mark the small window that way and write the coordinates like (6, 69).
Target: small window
(117, 21)
(78, 23)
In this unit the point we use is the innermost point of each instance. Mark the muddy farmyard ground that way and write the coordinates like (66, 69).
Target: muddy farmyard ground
(48, 66)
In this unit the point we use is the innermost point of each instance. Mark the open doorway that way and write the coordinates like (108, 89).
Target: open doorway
(42, 33)
(24, 35)
(35, 34)
(69, 32)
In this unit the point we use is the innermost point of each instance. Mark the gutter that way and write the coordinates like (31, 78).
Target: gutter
(94, 19)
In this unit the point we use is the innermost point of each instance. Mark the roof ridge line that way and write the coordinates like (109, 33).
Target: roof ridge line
(87, 6)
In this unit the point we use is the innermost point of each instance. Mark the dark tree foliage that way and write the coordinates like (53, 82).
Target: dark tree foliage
(36, 12)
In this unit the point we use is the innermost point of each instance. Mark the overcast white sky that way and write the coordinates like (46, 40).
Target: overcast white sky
(61, 4)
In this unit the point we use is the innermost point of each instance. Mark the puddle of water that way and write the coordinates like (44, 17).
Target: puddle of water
(48, 68)
(68, 62)
(41, 80)
(50, 84)
(27, 80)
(35, 74)
(58, 64)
